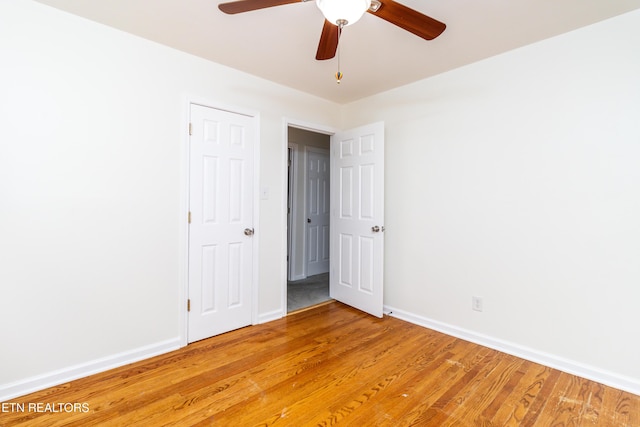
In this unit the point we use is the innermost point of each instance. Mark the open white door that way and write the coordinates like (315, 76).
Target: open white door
(221, 243)
(357, 218)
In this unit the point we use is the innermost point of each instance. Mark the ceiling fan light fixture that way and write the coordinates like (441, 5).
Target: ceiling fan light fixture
(340, 11)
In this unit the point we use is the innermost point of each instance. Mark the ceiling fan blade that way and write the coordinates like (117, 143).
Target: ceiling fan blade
(409, 19)
(328, 41)
(249, 5)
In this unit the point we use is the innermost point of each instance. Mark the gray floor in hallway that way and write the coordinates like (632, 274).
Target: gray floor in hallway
(307, 292)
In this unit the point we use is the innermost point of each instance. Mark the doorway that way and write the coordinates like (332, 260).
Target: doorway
(357, 215)
(308, 203)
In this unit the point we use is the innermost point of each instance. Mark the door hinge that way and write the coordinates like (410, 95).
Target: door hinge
(190, 129)
(189, 217)
(188, 305)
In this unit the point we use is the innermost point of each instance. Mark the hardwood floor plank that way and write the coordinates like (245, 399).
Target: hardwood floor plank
(559, 403)
(592, 396)
(332, 365)
(620, 408)
(507, 380)
(578, 403)
(442, 409)
(483, 390)
(529, 388)
(539, 401)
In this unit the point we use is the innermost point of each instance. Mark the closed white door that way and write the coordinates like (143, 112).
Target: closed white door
(221, 225)
(357, 218)
(318, 212)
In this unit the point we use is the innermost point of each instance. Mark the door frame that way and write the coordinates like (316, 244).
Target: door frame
(286, 124)
(292, 171)
(183, 215)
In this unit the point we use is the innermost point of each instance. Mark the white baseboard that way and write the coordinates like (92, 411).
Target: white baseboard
(270, 316)
(60, 376)
(612, 379)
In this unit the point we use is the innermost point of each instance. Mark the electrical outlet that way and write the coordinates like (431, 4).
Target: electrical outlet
(476, 303)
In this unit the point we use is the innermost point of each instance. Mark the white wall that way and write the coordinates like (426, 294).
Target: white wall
(92, 126)
(517, 179)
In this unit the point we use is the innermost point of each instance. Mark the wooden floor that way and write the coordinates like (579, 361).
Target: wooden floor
(326, 366)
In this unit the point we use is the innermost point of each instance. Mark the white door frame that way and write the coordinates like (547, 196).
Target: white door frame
(292, 170)
(313, 127)
(184, 208)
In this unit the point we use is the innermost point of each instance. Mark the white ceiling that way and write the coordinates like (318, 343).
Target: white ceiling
(279, 43)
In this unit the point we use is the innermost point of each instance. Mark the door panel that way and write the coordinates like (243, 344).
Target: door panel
(357, 224)
(221, 206)
(318, 212)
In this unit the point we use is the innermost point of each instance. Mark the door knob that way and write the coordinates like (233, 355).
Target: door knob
(248, 231)
(309, 220)
(375, 229)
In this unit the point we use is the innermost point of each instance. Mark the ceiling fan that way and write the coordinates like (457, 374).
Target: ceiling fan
(395, 13)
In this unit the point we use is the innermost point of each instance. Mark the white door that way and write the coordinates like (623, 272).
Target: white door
(318, 212)
(221, 228)
(357, 218)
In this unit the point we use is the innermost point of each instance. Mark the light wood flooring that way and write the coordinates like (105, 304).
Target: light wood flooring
(332, 365)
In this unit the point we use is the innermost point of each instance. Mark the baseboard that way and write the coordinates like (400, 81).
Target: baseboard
(61, 376)
(608, 378)
(270, 316)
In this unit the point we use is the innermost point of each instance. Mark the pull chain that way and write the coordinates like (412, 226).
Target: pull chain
(339, 73)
